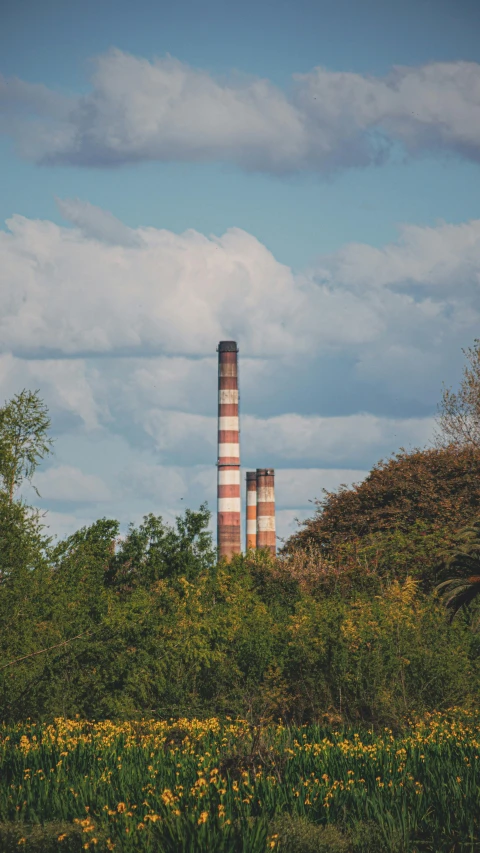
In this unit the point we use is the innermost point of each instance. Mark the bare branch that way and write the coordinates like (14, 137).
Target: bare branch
(56, 646)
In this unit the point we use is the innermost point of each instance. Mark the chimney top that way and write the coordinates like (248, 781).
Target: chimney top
(227, 346)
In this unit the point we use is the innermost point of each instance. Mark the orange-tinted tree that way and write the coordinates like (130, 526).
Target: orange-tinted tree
(403, 517)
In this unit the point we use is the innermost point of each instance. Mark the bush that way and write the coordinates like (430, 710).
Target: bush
(297, 835)
(367, 837)
(41, 839)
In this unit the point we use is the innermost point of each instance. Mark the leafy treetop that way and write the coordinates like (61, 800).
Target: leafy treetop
(439, 487)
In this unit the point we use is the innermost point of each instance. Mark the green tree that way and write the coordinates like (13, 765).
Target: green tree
(156, 550)
(24, 440)
(25, 603)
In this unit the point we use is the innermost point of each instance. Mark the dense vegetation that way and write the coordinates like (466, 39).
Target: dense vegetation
(156, 626)
(344, 628)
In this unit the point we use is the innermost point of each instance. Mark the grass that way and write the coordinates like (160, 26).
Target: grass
(211, 786)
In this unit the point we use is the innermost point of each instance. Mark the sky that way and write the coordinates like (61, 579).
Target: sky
(301, 177)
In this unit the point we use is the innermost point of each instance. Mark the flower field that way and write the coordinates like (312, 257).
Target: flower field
(211, 785)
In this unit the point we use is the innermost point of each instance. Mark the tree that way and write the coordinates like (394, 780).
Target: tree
(156, 550)
(459, 413)
(25, 602)
(402, 517)
(24, 424)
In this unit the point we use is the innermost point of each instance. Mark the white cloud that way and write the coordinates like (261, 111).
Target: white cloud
(97, 223)
(66, 483)
(287, 437)
(287, 522)
(331, 439)
(170, 382)
(67, 292)
(166, 110)
(165, 485)
(67, 386)
(296, 487)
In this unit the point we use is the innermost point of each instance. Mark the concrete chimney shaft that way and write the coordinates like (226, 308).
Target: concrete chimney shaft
(266, 536)
(228, 514)
(251, 521)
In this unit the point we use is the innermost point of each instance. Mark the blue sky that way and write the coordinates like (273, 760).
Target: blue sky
(181, 173)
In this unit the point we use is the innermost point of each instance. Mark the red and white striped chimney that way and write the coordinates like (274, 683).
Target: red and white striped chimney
(251, 513)
(228, 514)
(266, 536)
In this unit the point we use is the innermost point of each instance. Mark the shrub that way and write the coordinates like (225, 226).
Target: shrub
(41, 839)
(297, 835)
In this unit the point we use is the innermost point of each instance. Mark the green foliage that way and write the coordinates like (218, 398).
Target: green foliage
(367, 837)
(24, 424)
(298, 835)
(228, 641)
(104, 617)
(375, 659)
(41, 839)
(463, 590)
(107, 626)
(156, 550)
(25, 603)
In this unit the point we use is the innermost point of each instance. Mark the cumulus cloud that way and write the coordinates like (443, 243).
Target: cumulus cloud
(297, 487)
(68, 292)
(288, 437)
(68, 388)
(99, 224)
(139, 110)
(73, 292)
(67, 483)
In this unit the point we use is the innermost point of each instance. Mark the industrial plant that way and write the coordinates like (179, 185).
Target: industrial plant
(260, 484)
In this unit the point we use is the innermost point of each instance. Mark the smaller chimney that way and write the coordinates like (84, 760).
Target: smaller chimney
(251, 503)
(266, 537)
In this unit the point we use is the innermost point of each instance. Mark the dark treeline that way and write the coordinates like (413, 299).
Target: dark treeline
(344, 624)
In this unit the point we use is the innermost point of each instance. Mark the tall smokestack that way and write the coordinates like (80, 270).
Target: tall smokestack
(251, 523)
(228, 515)
(266, 537)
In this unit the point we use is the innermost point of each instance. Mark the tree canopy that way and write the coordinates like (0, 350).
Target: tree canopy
(403, 516)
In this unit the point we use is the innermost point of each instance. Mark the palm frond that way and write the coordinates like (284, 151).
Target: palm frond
(460, 592)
